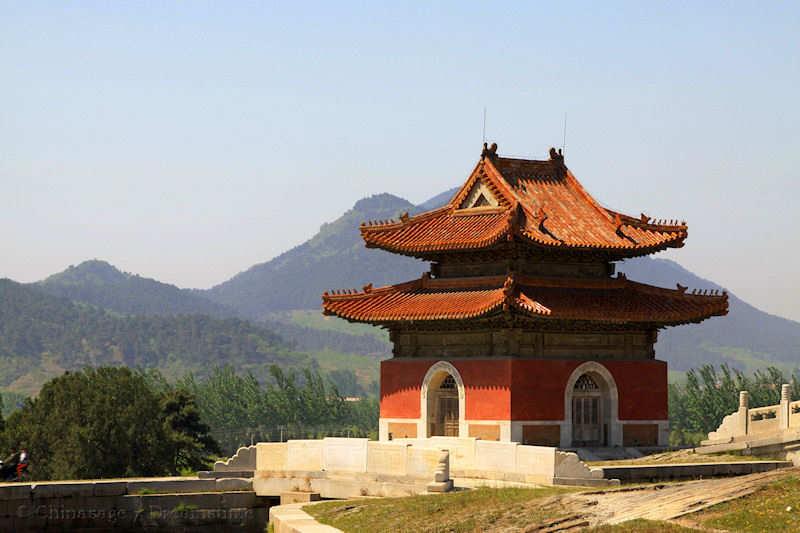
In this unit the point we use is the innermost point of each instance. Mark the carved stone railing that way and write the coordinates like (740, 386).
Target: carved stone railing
(243, 461)
(746, 422)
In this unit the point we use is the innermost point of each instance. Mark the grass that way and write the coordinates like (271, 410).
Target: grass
(750, 360)
(314, 319)
(481, 509)
(365, 367)
(774, 507)
(642, 526)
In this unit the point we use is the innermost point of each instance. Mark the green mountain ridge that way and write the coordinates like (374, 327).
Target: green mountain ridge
(42, 335)
(101, 284)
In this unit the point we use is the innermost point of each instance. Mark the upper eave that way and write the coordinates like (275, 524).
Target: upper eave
(540, 203)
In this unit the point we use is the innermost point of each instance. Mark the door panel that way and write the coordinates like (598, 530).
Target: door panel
(586, 417)
(448, 409)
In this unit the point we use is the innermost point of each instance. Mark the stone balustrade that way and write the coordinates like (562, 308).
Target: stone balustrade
(345, 467)
(747, 424)
(511, 461)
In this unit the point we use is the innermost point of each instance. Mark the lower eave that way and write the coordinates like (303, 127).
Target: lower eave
(617, 303)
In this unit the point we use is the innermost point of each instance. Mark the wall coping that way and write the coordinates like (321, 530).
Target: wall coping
(291, 518)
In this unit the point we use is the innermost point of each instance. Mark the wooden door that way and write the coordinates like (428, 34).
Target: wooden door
(448, 411)
(587, 428)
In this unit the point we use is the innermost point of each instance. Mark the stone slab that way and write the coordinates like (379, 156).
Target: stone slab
(387, 458)
(536, 463)
(299, 497)
(496, 456)
(271, 456)
(343, 454)
(304, 455)
(644, 473)
(110, 488)
(181, 485)
(234, 484)
(421, 463)
(292, 519)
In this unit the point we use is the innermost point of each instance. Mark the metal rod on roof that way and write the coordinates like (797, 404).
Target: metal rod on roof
(564, 141)
(483, 140)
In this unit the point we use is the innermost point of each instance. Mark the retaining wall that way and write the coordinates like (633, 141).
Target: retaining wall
(149, 504)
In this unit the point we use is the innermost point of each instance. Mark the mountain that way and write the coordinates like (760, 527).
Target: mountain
(43, 335)
(437, 201)
(333, 258)
(103, 285)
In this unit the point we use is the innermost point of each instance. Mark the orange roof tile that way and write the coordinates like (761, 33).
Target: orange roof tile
(605, 300)
(540, 202)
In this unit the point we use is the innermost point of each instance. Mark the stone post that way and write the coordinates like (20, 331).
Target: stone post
(441, 478)
(784, 409)
(744, 416)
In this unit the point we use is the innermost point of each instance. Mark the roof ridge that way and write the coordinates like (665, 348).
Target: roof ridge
(575, 219)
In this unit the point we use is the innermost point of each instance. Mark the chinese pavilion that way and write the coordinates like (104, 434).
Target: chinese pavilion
(520, 331)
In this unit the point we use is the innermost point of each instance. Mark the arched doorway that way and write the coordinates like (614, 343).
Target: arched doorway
(442, 401)
(591, 408)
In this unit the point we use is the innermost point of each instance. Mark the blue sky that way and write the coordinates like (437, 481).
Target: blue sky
(188, 141)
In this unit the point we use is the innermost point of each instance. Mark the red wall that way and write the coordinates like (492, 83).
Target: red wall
(401, 381)
(642, 389)
(538, 388)
(524, 389)
(486, 384)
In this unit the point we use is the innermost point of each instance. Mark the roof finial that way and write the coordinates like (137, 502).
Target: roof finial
(490, 151)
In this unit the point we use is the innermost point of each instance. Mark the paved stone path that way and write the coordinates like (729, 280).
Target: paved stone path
(664, 502)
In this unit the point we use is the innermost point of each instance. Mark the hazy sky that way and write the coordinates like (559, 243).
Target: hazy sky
(187, 141)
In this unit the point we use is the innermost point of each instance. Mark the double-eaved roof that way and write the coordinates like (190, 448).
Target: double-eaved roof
(534, 204)
(537, 202)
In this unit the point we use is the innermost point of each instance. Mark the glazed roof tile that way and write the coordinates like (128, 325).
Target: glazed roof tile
(607, 300)
(540, 202)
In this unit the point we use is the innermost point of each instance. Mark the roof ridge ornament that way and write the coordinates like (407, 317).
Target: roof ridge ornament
(509, 287)
(424, 281)
(556, 155)
(514, 216)
(490, 151)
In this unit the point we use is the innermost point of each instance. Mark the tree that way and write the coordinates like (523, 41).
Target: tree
(188, 440)
(105, 422)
